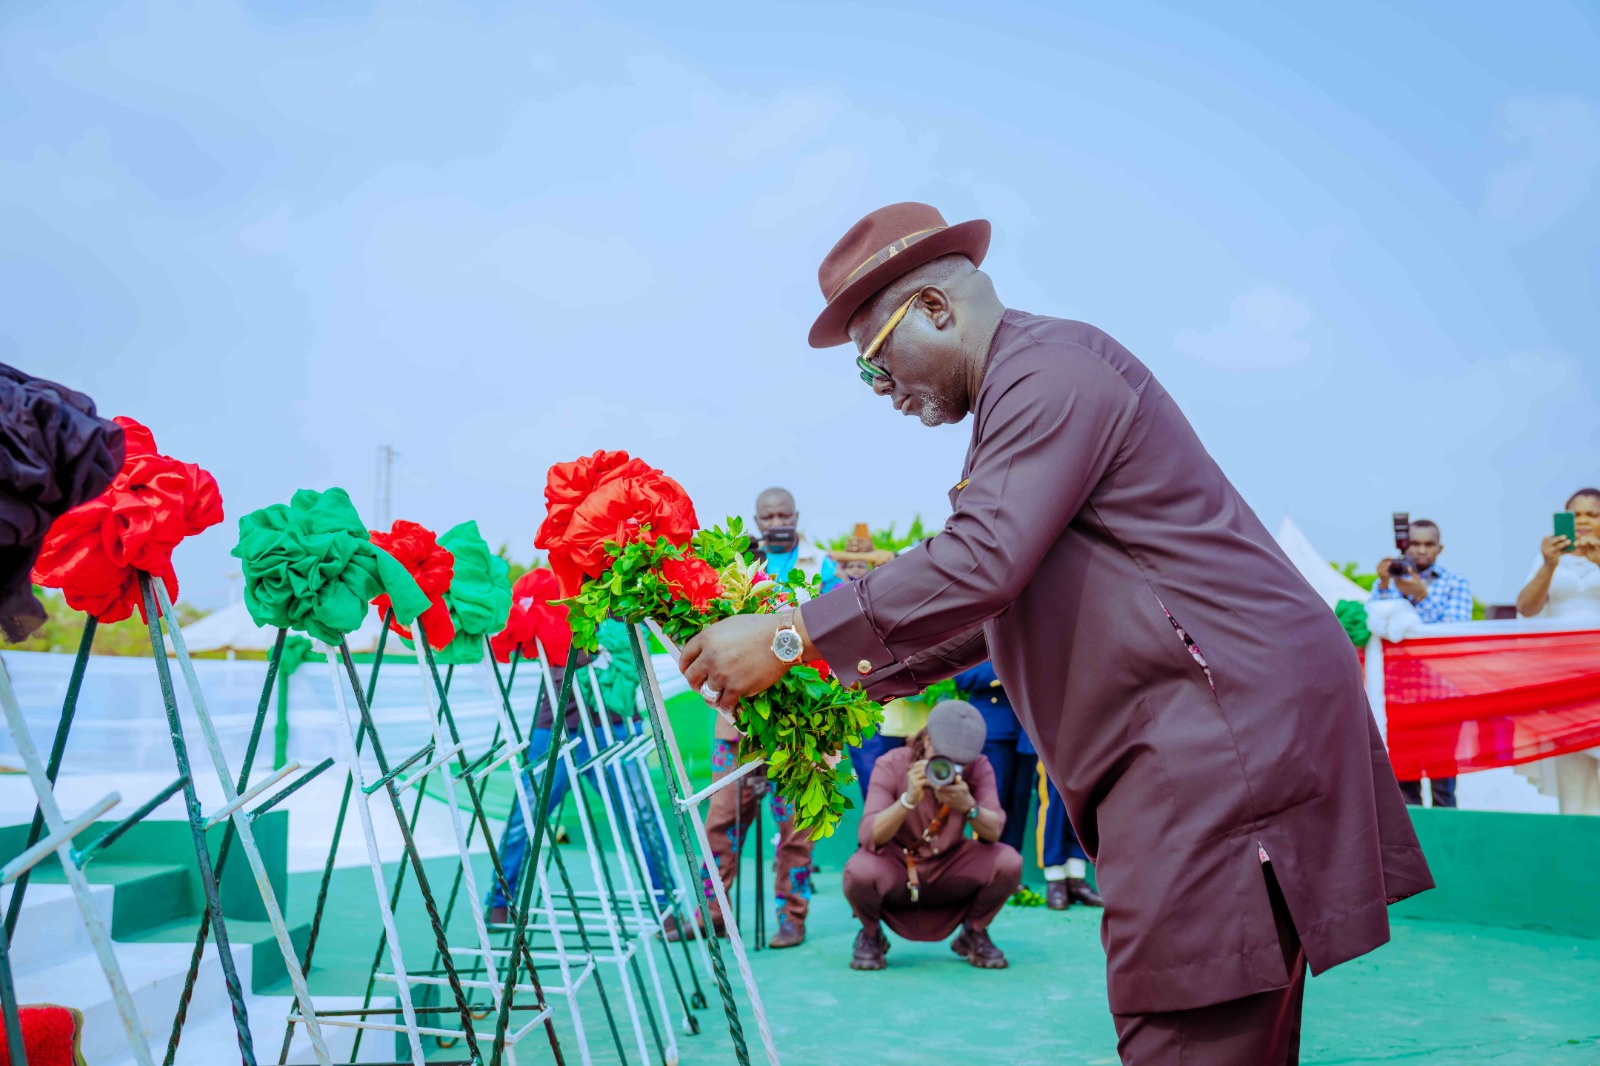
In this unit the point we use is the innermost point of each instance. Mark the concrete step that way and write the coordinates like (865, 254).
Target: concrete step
(154, 974)
(51, 929)
(267, 968)
(213, 1040)
(148, 894)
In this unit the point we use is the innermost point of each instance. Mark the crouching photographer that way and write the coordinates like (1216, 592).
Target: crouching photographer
(917, 871)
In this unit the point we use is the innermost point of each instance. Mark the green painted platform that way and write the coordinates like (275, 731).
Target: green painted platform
(1500, 964)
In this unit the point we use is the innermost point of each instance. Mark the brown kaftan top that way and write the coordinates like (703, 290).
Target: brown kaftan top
(1085, 505)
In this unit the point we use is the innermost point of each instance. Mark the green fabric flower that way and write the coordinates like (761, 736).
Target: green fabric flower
(1352, 615)
(296, 650)
(308, 565)
(480, 593)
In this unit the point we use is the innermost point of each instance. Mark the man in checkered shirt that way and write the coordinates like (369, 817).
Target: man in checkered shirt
(1439, 595)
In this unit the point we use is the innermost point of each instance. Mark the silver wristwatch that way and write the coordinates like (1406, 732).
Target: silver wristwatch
(786, 642)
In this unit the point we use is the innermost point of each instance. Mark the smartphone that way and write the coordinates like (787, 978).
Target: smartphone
(1567, 526)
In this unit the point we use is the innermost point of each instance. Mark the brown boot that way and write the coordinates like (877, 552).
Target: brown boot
(671, 933)
(979, 950)
(871, 950)
(1056, 896)
(790, 934)
(1078, 891)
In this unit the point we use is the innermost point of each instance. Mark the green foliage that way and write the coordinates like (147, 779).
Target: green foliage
(515, 568)
(1366, 581)
(796, 725)
(63, 628)
(887, 539)
(938, 692)
(1026, 897)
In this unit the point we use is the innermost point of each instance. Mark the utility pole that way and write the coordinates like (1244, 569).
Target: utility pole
(385, 484)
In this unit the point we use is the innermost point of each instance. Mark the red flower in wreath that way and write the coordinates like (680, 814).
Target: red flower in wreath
(432, 567)
(821, 667)
(95, 551)
(535, 621)
(692, 579)
(605, 497)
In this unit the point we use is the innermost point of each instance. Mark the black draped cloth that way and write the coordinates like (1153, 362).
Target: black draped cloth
(55, 453)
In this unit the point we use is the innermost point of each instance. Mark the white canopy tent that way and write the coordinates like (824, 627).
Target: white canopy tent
(232, 629)
(1331, 585)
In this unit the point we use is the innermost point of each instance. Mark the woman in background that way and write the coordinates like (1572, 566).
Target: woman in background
(1565, 585)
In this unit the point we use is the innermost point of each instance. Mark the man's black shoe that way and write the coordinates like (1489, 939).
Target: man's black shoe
(1078, 891)
(979, 950)
(870, 951)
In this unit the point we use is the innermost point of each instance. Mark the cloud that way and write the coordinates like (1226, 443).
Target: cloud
(1262, 330)
(1557, 170)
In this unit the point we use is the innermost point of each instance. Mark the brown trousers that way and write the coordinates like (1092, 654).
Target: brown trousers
(969, 885)
(732, 812)
(1263, 1029)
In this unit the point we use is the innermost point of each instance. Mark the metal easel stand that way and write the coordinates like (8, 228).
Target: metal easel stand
(692, 834)
(48, 816)
(547, 918)
(542, 916)
(624, 948)
(411, 1028)
(625, 906)
(644, 841)
(333, 850)
(448, 749)
(197, 831)
(233, 812)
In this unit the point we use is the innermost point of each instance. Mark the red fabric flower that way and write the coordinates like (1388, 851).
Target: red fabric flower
(821, 667)
(607, 497)
(692, 579)
(534, 621)
(417, 549)
(93, 552)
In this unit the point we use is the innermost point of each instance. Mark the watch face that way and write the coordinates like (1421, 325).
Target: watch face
(787, 645)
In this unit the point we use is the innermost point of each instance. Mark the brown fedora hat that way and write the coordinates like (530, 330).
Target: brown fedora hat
(887, 244)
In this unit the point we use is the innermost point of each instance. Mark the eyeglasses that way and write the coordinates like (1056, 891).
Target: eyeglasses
(874, 373)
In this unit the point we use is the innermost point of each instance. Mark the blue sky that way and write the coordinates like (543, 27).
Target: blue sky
(1359, 244)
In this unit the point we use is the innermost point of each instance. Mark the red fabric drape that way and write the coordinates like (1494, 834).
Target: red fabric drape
(1458, 704)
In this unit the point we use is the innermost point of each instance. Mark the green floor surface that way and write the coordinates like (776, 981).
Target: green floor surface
(1440, 992)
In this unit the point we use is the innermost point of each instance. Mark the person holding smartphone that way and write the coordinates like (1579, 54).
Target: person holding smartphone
(1565, 584)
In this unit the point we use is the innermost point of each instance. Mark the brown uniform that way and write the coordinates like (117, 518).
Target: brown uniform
(960, 880)
(1087, 510)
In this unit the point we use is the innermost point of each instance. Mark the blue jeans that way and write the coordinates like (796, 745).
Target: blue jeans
(514, 842)
(862, 759)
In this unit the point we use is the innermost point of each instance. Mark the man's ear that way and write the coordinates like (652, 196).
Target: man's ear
(935, 303)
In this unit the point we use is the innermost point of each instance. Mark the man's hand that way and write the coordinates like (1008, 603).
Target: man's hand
(734, 657)
(1412, 588)
(916, 781)
(957, 795)
(1588, 546)
(1384, 572)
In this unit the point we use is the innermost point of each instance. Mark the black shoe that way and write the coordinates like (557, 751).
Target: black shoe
(1078, 891)
(979, 950)
(1056, 896)
(870, 951)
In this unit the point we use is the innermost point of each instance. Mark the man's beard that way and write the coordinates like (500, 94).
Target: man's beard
(932, 410)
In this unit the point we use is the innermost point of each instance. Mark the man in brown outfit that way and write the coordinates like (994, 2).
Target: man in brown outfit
(1242, 815)
(917, 872)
